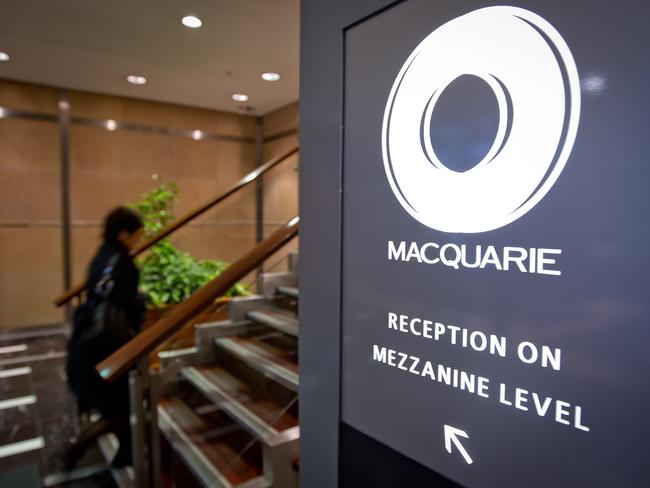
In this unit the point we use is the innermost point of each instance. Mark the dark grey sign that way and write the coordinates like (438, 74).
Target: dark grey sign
(495, 239)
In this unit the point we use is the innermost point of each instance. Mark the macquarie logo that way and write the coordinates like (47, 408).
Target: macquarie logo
(530, 69)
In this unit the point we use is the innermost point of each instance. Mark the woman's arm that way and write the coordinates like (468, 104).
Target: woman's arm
(125, 291)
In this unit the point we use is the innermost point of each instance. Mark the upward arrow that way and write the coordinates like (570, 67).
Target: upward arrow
(451, 435)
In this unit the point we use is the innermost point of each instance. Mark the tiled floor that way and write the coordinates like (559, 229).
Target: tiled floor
(43, 423)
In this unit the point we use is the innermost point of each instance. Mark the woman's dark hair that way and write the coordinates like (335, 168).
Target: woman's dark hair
(121, 218)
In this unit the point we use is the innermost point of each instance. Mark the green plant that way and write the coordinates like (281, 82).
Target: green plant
(156, 207)
(167, 274)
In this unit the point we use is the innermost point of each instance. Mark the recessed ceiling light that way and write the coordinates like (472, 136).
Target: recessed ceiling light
(136, 79)
(270, 76)
(191, 22)
(111, 124)
(197, 135)
(4, 56)
(240, 97)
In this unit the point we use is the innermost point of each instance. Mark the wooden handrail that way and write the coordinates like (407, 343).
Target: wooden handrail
(133, 351)
(246, 180)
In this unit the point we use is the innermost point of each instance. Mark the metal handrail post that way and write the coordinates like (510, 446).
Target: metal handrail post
(155, 465)
(138, 422)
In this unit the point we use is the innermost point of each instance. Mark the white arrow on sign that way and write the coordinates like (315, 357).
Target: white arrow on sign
(451, 435)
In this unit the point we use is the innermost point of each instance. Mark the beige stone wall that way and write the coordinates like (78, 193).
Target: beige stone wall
(107, 168)
(280, 130)
(110, 167)
(30, 231)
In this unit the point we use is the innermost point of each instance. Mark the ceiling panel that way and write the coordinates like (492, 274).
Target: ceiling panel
(93, 45)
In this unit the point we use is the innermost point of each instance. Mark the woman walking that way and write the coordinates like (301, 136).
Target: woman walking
(111, 315)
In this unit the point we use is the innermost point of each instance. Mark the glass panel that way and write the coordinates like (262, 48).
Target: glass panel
(248, 390)
(281, 197)
(221, 441)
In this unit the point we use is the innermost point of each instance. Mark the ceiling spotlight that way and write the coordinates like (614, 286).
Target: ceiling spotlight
(197, 135)
(4, 56)
(191, 22)
(136, 79)
(111, 124)
(270, 76)
(240, 97)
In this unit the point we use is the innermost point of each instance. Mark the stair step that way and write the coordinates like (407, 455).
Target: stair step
(205, 449)
(289, 291)
(271, 423)
(272, 361)
(108, 446)
(276, 318)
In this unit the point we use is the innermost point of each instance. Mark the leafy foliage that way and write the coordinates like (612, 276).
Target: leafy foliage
(156, 207)
(167, 274)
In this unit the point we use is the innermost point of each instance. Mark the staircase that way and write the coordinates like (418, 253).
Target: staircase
(227, 413)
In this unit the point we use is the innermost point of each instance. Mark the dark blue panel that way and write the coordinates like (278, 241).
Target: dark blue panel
(579, 417)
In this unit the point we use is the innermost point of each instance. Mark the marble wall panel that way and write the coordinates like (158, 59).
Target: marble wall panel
(94, 106)
(108, 168)
(146, 155)
(281, 120)
(31, 275)
(27, 145)
(281, 183)
(96, 150)
(190, 118)
(29, 197)
(222, 242)
(147, 113)
(85, 242)
(24, 96)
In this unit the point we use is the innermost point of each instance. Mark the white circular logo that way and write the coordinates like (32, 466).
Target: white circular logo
(534, 78)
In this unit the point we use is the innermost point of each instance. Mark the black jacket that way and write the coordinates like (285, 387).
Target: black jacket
(125, 277)
(85, 351)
